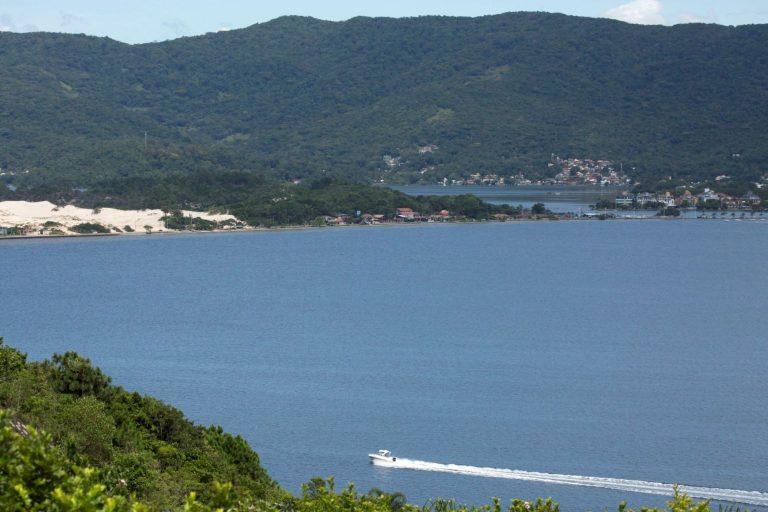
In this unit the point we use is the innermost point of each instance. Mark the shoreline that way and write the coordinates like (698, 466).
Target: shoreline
(36, 216)
(277, 229)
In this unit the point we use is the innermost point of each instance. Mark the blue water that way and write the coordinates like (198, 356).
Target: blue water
(632, 350)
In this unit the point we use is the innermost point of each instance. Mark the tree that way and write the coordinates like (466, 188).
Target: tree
(668, 211)
(73, 374)
(11, 360)
(35, 476)
(90, 428)
(538, 209)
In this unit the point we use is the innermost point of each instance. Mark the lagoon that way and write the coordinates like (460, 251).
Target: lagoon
(633, 350)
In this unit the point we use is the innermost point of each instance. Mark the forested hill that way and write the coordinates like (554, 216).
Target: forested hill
(296, 97)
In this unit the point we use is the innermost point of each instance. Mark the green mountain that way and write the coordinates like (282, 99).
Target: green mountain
(298, 97)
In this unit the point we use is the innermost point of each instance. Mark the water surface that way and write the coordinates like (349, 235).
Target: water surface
(633, 350)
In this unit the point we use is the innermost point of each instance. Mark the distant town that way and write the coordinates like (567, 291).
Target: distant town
(569, 171)
(707, 200)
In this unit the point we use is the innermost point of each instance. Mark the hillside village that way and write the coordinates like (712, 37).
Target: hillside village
(568, 171)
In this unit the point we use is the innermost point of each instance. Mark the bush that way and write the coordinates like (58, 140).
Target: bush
(11, 360)
(34, 476)
(89, 228)
(669, 211)
(73, 374)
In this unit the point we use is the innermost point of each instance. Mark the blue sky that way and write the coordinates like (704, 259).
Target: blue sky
(138, 21)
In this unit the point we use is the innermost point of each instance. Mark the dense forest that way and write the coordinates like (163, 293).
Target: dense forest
(299, 98)
(71, 441)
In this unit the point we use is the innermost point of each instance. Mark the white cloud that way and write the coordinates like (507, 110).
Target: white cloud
(7, 24)
(643, 12)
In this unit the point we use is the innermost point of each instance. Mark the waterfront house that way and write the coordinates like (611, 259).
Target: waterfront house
(406, 214)
(645, 197)
(708, 195)
(751, 198)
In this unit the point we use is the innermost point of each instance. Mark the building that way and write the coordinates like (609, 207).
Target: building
(406, 214)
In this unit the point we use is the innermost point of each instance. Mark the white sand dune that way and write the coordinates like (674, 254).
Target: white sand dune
(34, 216)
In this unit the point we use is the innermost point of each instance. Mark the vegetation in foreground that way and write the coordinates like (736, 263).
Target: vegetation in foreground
(102, 441)
(102, 448)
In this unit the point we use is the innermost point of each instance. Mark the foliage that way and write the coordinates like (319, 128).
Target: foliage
(298, 98)
(178, 221)
(73, 374)
(605, 204)
(668, 211)
(263, 203)
(679, 503)
(37, 477)
(11, 360)
(139, 445)
(320, 495)
(89, 227)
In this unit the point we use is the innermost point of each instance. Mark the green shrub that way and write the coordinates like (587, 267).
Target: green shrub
(89, 227)
(11, 360)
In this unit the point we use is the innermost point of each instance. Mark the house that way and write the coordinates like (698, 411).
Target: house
(687, 199)
(645, 197)
(369, 218)
(751, 198)
(406, 214)
(708, 195)
(667, 201)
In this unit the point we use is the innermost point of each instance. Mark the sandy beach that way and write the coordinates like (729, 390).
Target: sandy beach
(33, 216)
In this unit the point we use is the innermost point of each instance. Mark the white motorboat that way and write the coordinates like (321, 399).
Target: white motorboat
(382, 457)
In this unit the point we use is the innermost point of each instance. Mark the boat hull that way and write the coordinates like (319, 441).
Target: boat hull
(381, 460)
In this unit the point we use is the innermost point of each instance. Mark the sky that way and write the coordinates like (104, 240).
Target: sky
(141, 21)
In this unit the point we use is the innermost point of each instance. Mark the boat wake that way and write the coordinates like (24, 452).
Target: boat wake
(620, 484)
